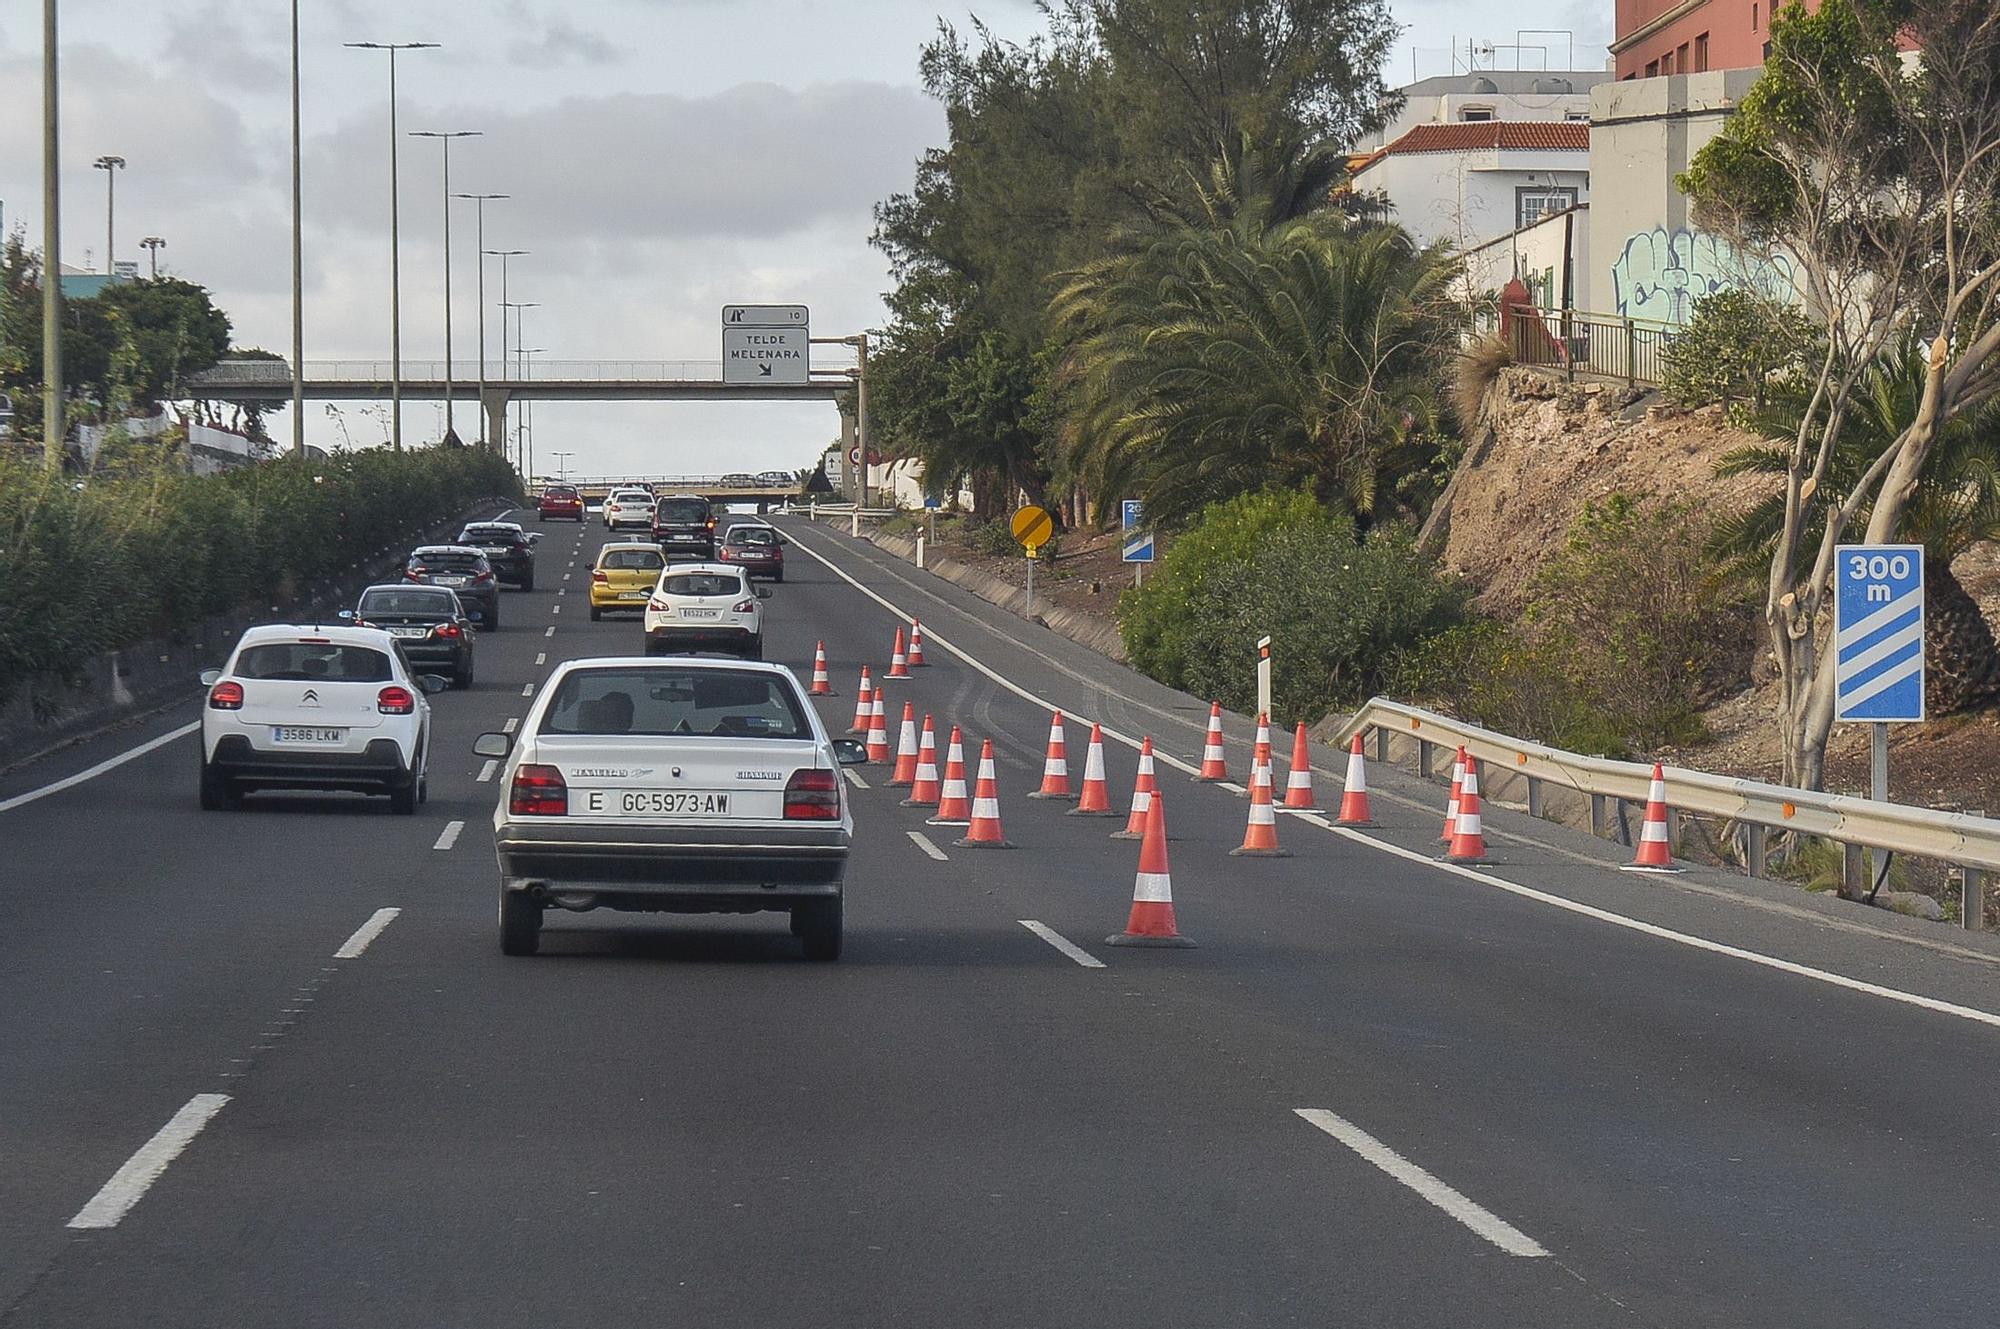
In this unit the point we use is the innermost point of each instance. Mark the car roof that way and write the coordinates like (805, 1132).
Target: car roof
(339, 634)
(493, 525)
(409, 586)
(610, 545)
(669, 662)
(446, 549)
(696, 497)
(706, 567)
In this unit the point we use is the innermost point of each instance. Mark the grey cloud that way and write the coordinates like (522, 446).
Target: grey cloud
(562, 43)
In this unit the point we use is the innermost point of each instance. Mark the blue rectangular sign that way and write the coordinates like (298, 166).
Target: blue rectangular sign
(1878, 621)
(1138, 542)
(1134, 512)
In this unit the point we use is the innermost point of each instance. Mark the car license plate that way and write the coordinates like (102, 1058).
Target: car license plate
(701, 613)
(409, 632)
(658, 802)
(493, 553)
(633, 595)
(281, 733)
(449, 581)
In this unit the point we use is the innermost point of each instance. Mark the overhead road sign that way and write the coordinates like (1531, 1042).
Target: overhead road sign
(764, 356)
(766, 316)
(1033, 526)
(1878, 617)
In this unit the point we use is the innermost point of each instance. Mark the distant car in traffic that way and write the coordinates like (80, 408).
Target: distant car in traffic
(705, 607)
(509, 549)
(559, 501)
(737, 480)
(682, 786)
(623, 578)
(466, 571)
(628, 507)
(334, 708)
(428, 622)
(684, 526)
(777, 480)
(755, 548)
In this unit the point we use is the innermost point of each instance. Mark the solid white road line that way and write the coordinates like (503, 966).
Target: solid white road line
(513, 723)
(367, 932)
(1470, 874)
(131, 1182)
(923, 842)
(1062, 943)
(1481, 1220)
(91, 773)
(449, 836)
(551, 632)
(541, 657)
(486, 771)
(852, 778)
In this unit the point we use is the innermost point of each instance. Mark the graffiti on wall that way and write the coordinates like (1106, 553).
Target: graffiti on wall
(1660, 274)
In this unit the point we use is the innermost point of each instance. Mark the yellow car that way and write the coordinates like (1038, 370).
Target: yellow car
(624, 578)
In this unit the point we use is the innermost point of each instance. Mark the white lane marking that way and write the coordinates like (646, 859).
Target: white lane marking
(566, 575)
(512, 724)
(91, 773)
(541, 657)
(1062, 943)
(1471, 874)
(923, 842)
(486, 771)
(449, 836)
(852, 778)
(1475, 1216)
(555, 609)
(367, 932)
(527, 689)
(131, 1182)
(564, 590)
(551, 632)
(1224, 784)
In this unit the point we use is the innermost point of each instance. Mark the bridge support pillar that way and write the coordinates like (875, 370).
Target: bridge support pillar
(494, 403)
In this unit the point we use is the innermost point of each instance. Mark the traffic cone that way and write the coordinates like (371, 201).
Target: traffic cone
(822, 685)
(1354, 798)
(916, 643)
(1263, 739)
(878, 729)
(1213, 767)
(1151, 922)
(1451, 805)
(1299, 784)
(954, 806)
(905, 774)
(924, 788)
(863, 705)
(1055, 767)
(985, 832)
(1654, 854)
(1468, 839)
(1260, 837)
(899, 660)
(1143, 791)
(1096, 800)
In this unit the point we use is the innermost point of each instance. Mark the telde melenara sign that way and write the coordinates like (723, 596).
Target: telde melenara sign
(766, 344)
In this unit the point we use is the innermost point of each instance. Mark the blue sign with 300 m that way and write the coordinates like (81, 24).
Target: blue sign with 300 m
(1878, 618)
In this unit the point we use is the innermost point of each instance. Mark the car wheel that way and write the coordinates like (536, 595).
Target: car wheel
(596, 614)
(818, 922)
(403, 797)
(217, 793)
(777, 576)
(424, 789)
(528, 582)
(463, 678)
(755, 650)
(520, 923)
(493, 617)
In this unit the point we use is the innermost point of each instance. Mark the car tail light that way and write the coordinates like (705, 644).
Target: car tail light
(449, 631)
(744, 606)
(480, 577)
(226, 696)
(658, 605)
(538, 791)
(725, 554)
(599, 576)
(812, 796)
(395, 700)
(415, 574)
(711, 523)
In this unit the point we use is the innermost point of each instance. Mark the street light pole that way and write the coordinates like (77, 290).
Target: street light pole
(519, 336)
(153, 244)
(395, 242)
(298, 264)
(444, 138)
(52, 366)
(111, 166)
(528, 407)
(479, 202)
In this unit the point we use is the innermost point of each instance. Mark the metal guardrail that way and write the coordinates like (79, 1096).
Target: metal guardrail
(1598, 345)
(1757, 808)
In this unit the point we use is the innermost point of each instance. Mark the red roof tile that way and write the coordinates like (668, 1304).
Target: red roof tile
(1560, 136)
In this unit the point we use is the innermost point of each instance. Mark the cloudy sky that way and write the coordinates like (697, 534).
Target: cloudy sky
(665, 157)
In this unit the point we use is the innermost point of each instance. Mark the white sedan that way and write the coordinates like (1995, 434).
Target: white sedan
(705, 607)
(672, 786)
(628, 507)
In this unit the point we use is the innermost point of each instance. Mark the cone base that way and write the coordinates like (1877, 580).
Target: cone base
(1093, 812)
(1128, 835)
(1466, 860)
(1208, 779)
(828, 693)
(899, 784)
(984, 844)
(1173, 943)
(1648, 867)
(1057, 798)
(1341, 821)
(917, 803)
(1244, 851)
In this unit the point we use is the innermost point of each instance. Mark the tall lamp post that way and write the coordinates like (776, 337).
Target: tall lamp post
(562, 463)
(519, 336)
(153, 244)
(479, 202)
(395, 245)
(52, 366)
(527, 354)
(111, 166)
(298, 264)
(444, 138)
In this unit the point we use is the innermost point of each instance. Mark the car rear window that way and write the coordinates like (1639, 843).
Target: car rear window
(702, 583)
(663, 700)
(449, 562)
(681, 509)
(644, 560)
(752, 535)
(491, 535)
(558, 493)
(303, 660)
(442, 603)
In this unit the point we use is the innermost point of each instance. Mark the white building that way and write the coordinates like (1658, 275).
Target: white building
(1469, 182)
(1527, 96)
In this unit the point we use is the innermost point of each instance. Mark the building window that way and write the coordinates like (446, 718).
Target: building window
(1681, 65)
(1701, 52)
(1753, 16)
(1579, 117)
(1652, 69)
(1534, 202)
(1480, 113)
(1667, 64)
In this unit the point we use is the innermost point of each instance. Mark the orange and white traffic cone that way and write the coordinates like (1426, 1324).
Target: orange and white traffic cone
(916, 643)
(1468, 840)
(924, 789)
(864, 708)
(1214, 767)
(1299, 784)
(822, 685)
(954, 804)
(1143, 790)
(1654, 854)
(1151, 922)
(1055, 767)
(1096, 800)
(905, 774)
(1354, 798)
(878, 730)
(1260, 837)
(985, 832)
(1451, 805)
(899, 661)
(1263, 739)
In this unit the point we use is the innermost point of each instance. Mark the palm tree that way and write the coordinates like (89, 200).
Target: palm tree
(1957, 504)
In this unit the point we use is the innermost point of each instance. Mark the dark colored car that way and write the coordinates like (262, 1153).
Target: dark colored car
(684, 527)
(754, 547)
(560, 501)
(507, 547)
(428, 622)
(465, 571)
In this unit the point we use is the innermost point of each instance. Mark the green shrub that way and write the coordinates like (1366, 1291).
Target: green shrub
(1735, 343)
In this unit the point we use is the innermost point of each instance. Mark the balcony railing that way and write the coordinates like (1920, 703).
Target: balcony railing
(1632, 350)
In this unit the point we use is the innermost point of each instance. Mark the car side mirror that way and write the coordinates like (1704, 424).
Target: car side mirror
(534, 537)
(850, 752)
(763, 592)
(346, 615)
(210, 677)
(433, 683)
(493, 745)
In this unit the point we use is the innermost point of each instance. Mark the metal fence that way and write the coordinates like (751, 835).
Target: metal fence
(264, 373)
(1631, 350)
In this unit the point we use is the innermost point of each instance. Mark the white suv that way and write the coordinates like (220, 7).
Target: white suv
(705, 607)
(628, 507)
(316, 708)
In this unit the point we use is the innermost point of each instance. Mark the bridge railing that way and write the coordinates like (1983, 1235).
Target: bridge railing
(263, 373)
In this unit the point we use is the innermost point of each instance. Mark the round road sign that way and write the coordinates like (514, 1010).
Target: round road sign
(1033, 526)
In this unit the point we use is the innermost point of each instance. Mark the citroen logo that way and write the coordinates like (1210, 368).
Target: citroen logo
(311, 698)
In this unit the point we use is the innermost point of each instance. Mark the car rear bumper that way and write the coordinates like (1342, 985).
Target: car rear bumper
(682, 869)
(377, 769)
(700, 639)
(435, 656)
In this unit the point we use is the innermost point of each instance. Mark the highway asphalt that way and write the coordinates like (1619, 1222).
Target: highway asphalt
(1379, 1092)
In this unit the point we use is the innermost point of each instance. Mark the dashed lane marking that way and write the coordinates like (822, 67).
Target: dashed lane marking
(541, 657)
(1062, 943)
(513, 723)
(486, 771)
(551, 632)
(555, 609)
(527, 689)
(449, 836)
(367, 932)
(129, 1184)
(923, 842)
(853, 778)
